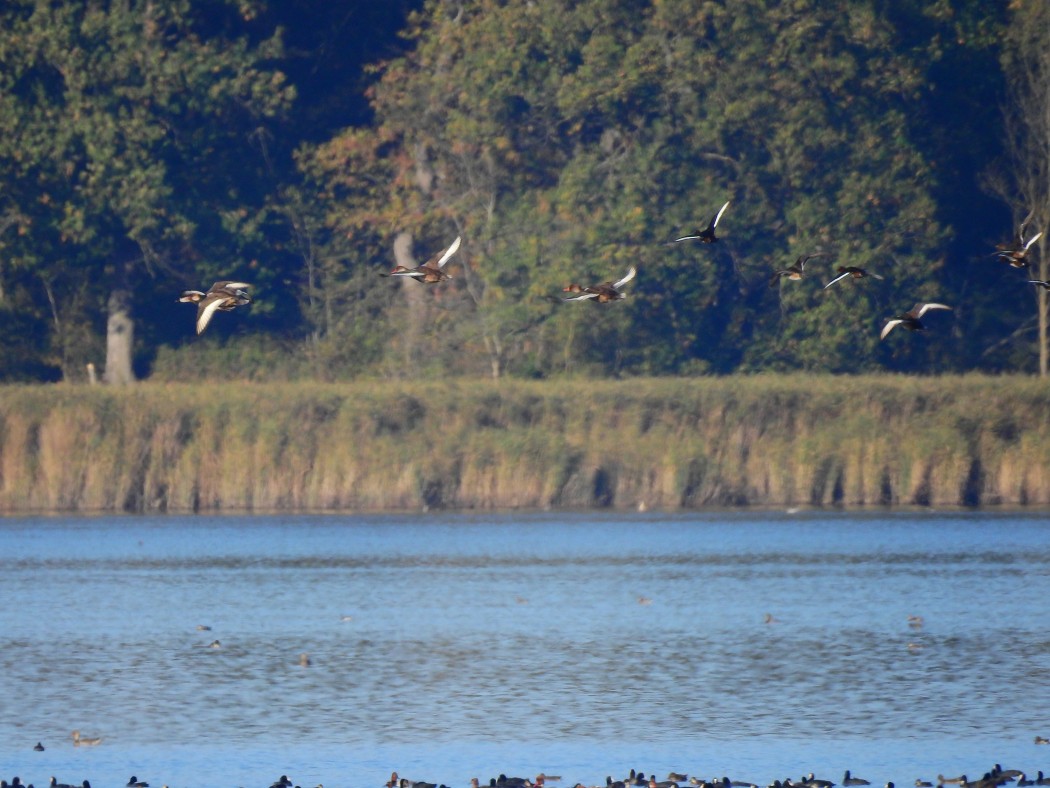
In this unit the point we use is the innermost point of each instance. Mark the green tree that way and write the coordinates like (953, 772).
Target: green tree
(569, 142)
(124, 135)
(1024, 180)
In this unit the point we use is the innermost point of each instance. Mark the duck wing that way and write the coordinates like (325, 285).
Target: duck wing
(448, 252)
(801, 261)
(890, 325)
(229, 287)
(1023, 225)
(629, 276)
(837, 278)
(714, 222)
(413, 273)
(921, 309)
(206, 308)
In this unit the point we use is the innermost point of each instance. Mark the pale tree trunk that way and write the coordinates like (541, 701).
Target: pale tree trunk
(120, 336)
(1044, 272)
(412, 294)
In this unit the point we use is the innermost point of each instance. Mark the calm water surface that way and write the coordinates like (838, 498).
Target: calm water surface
(454, 646)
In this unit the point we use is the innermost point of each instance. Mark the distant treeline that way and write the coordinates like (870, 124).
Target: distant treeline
(671, 444)
(304, 148)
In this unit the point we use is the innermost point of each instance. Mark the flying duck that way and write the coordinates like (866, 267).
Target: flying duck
(1014, 254)
(707, 235)
(910, 319)
(608, 291)
(431, 271)
(793, 271)
(224, 295)
(850, 270)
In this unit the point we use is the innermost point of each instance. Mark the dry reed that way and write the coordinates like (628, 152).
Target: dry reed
(743, 441)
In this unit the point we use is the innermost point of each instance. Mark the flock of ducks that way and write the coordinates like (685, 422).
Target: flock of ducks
(134, 782)
(225, 295)
(996, 777)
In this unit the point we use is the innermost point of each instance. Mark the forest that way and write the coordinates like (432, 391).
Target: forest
(150, 147)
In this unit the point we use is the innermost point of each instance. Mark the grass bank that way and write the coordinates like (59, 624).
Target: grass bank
(759, 441)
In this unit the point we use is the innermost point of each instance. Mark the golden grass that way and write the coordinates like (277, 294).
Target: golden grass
(667, 443)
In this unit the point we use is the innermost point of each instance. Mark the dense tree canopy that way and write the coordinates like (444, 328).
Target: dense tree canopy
(121, 126)
(565, 142)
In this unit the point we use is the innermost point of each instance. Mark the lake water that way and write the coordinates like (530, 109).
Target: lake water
(451, 646)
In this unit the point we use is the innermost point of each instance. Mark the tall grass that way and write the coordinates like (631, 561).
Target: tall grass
(760, 441)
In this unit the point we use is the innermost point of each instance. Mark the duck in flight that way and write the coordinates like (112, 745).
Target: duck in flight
(603, 293)
(910, 319)
(793, 271)
(432, 271)
(1015, 254)
(225, 296)
(707, 235)
(850, 270)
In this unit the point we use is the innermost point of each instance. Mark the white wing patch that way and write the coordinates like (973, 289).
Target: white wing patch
(449, 252)
(837, 278)
(206, 311)
(924, 308)
(719, 215)
(626, 279)
(889, 327)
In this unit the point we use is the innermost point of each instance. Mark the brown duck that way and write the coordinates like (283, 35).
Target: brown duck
(910, 319)
(431, 271)
(850, 270)
(1015, 253)
(793, 271)
(224, 296)
(603, 293)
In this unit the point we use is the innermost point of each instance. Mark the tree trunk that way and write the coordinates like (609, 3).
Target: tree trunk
(412, 292)
(1044, 350)
(120, 336)
(1027, 70)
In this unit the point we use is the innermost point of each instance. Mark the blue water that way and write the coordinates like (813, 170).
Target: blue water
(455, 646)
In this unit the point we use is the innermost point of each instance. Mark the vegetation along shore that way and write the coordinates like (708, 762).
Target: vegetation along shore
(668, 443)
